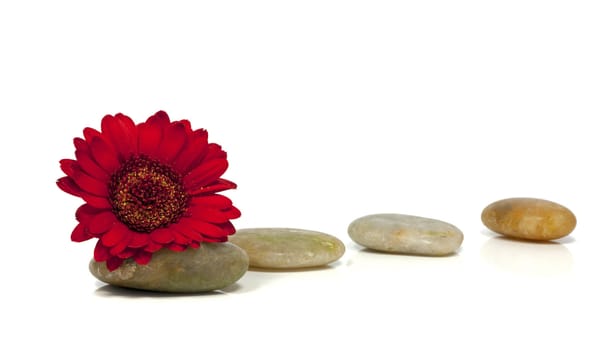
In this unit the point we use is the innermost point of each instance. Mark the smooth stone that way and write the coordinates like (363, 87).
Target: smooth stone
(210, 267)
(529, 218)
(399, 233)
(288, 248)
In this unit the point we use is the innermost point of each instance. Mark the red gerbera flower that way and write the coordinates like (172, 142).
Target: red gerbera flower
(147, 186)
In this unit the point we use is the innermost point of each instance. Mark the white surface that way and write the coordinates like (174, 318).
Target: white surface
(329, 110)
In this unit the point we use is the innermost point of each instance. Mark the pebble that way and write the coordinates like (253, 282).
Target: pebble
(529, 218)
(407, 234)
(212, 266)
(399, 233)
(288, 248)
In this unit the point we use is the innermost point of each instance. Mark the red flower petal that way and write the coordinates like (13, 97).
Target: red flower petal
(185, 227)
(115, 235)
(187, 126)
(80, 144)
(228, 228)
(130, 130)
(101, 223)
(88, 165)
(195, 245)
(207, 229)
(161, 117)
(215, 152)
(150, 133)
(127, 253)
(181, 239)
(217, 186)
(173, 140)
(149, 137)
(207, 214)
(121, 246)
(113, 263)
(205, 173)
(232, 213)
(194, 150)
(162, 236)
(139, 240)
(68, 185)
(121, 132)
(90, 134)
(97, 202)
(86, 212)
(142, 257)
(68, 166)
(101, 253)
(214, 239)
(210, 163)
(90, 184)
(213, 201)
(79, 234)
(104, 155)
(213, 215)
(176, 247)
(152, 247)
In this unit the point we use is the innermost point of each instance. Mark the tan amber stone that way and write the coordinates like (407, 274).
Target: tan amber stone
(529, 218)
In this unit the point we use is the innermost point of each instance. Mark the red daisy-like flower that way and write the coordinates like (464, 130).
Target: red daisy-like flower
(148, 186)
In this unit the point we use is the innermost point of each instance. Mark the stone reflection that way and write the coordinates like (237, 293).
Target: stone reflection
(527, 258)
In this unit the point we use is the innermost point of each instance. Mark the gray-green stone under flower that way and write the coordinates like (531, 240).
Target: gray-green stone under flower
(210, 267)
(287, 248)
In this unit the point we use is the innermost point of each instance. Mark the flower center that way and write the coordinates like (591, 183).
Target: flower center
(146, 194)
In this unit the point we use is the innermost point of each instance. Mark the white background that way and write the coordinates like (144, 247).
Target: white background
(329, 110)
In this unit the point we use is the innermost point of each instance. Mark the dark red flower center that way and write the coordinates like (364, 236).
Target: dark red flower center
(146, 194)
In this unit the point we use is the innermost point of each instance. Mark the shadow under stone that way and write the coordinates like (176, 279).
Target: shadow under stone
(301, 269)
(110, 291)
(381, 252)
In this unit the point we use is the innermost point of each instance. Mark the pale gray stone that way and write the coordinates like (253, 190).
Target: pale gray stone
(288, 248)
(406, 234)
(210, 267)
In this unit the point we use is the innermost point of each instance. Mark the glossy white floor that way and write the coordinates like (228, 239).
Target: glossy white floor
(329, 110)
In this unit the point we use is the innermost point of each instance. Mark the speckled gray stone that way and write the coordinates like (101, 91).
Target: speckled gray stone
(288, 248)
(398, 233)
(210, 267)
